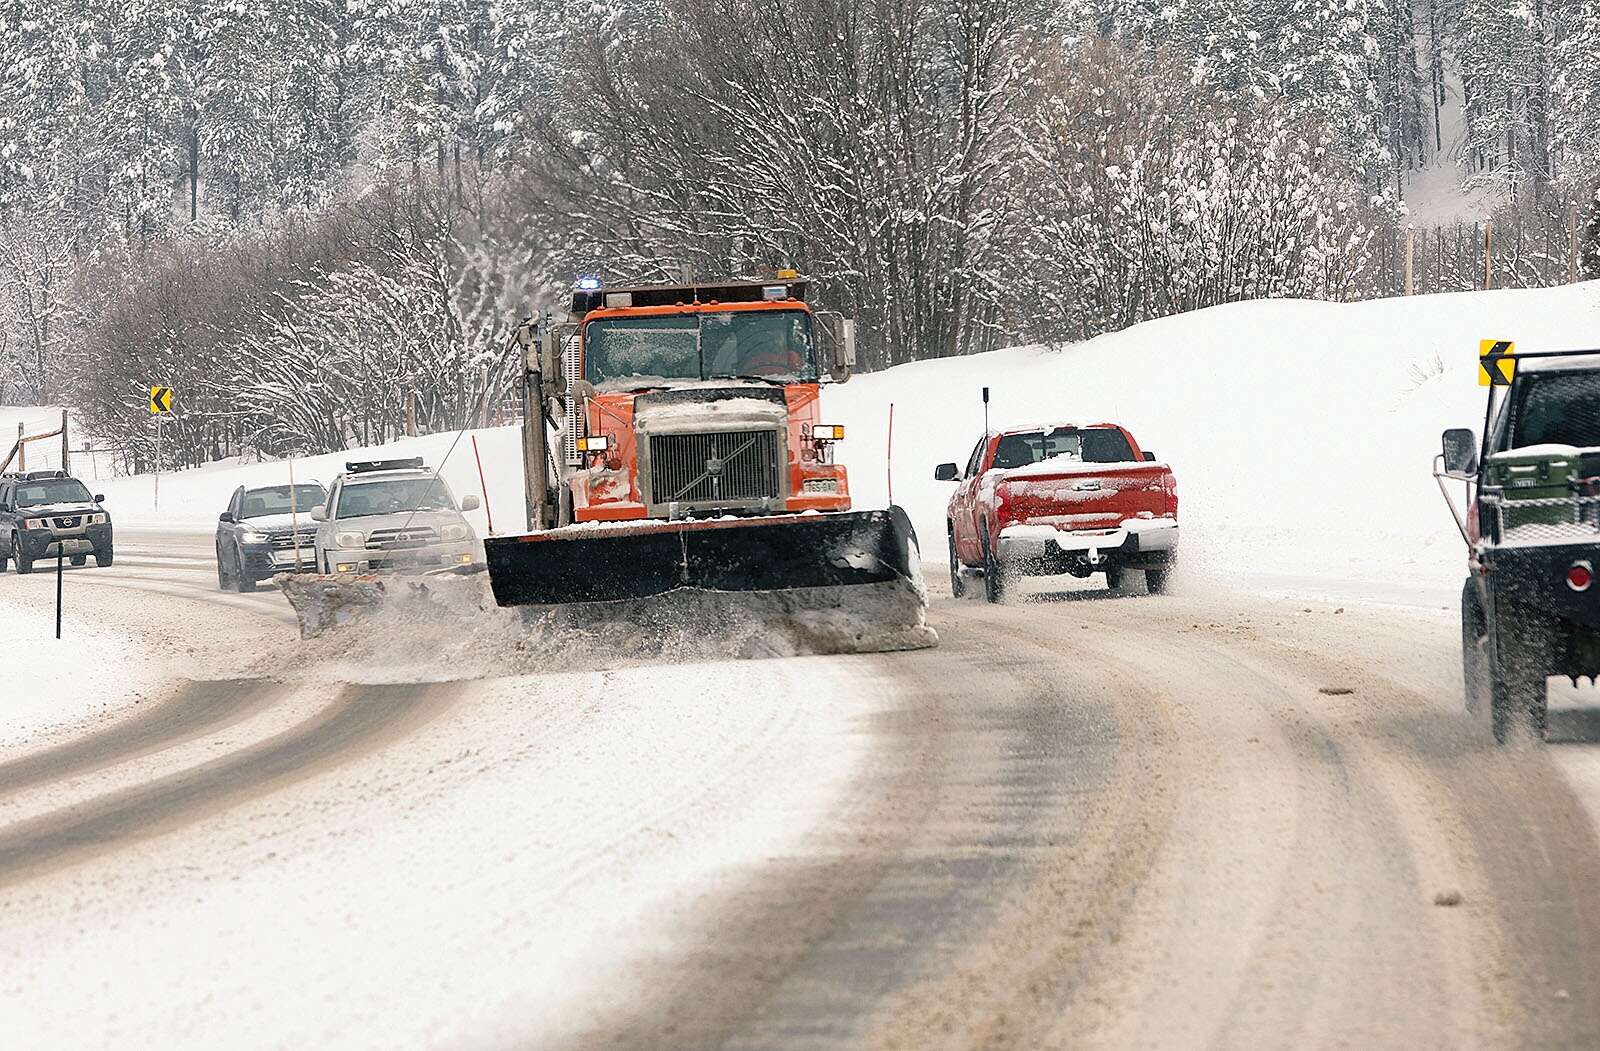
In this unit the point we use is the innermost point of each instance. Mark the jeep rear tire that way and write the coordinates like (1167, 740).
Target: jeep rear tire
(1474, 658)
(1517, 672)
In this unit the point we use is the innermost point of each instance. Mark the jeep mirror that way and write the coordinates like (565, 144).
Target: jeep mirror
(319, 513)
(946, 472)
(1460, 452)
(470, 503)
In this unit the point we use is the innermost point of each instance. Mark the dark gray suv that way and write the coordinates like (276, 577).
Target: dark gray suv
(46, 513)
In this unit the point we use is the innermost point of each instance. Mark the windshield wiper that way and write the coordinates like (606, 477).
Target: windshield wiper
(758, 379)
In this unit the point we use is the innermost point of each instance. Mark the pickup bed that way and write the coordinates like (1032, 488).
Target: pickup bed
(1067, 498)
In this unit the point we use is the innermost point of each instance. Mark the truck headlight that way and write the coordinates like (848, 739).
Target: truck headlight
(350, 540)
(828, 432)
(452, 534)
(99, 519)
(35, 523)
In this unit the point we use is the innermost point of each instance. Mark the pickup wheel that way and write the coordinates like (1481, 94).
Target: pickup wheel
(1516, 673)
(103, 556)
(1114, 577)
(958, 582)
(1155, 580)
(24, 563)
(1474, 643)
(994, 575)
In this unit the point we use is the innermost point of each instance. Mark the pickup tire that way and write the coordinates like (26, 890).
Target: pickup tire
(1114, 577)
(994, 574)
(24, 563)
(1516, 672)
(1474, 643)
(1155, 581)
(103, 556)
(958, 580)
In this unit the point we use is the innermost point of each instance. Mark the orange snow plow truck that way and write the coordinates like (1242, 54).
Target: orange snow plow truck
(673, 445)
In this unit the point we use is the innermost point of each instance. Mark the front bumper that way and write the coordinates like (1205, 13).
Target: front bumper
(1139, 543)
(47, 543)
(261, 561)
(355, 561)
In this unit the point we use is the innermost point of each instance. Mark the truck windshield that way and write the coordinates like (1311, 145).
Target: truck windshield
(1100, 445)
(397, 496)
(1559, 408)
(275, 500)
(625, 352)
(52, 491)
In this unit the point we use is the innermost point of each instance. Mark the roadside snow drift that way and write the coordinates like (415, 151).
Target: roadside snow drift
(1302, 432)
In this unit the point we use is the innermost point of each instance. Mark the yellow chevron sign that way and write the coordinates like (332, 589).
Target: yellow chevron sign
(1497, 362)
(161, 401)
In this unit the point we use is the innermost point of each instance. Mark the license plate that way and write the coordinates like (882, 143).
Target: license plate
(286, 558)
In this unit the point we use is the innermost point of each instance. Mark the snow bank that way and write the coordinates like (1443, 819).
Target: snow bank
(1302, 433)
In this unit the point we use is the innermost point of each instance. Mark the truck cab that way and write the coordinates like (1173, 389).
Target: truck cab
(1529, 606)
(700, 401)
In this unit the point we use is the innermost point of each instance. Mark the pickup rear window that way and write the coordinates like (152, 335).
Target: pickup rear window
(1095, 445)
(1559, 408)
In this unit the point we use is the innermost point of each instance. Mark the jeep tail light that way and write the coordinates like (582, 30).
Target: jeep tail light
(1580, 576)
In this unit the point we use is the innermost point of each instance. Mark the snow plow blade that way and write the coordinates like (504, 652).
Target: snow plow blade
(845, 582)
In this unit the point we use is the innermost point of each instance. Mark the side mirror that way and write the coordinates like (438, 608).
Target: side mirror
(1460, 452)
(470, 503)
(1149, 456)
(99, 498)
(841, 336)
(319, 513)
(226, 516)
(946, 472)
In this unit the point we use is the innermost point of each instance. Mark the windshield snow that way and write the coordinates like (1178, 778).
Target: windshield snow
(52, 491)
(627, 352)
(395, 497)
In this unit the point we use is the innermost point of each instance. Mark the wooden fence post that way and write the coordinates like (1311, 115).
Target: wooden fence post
(1411, 256)
(1488, 256)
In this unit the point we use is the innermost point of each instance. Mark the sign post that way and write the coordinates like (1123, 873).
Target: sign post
(160, 406)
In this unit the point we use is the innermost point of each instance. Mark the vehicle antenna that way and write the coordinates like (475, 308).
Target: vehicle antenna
(986, 412)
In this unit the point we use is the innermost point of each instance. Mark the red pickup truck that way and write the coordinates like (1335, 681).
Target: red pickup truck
(1069, 498)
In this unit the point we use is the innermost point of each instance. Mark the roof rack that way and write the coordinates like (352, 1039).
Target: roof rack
(410, 463)
(34, 476)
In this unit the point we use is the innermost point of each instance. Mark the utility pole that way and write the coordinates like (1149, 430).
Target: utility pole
(66, 452)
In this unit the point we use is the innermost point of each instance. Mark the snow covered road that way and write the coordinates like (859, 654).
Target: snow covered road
(1083, 821)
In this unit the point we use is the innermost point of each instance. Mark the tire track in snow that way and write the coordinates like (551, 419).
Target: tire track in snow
(361, 720)
(195, 709)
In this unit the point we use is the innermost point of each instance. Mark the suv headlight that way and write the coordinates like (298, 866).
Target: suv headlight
(100, 518)
(35, 523)
(251, 537)
(452, 534)
(351, 540)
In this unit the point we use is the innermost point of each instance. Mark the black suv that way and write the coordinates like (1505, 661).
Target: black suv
(46, 513)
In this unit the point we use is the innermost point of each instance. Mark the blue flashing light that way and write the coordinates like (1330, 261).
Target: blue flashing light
(589, 284)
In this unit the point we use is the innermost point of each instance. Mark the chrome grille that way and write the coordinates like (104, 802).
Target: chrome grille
(746, 465)
(400, 539)
(68, 521)
(285, 541)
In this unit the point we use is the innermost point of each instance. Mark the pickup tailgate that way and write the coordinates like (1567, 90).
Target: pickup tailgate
(1070, 494)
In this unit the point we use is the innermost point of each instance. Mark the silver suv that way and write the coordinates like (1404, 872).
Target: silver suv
(393, 515)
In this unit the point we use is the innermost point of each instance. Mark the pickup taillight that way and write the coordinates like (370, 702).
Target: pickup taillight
(1169, 487)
